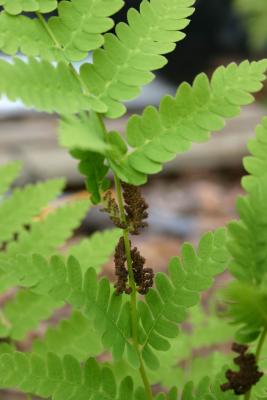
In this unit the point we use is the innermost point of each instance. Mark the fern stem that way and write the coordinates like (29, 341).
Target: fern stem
(48, 30)
(257, 354)
(134, 318)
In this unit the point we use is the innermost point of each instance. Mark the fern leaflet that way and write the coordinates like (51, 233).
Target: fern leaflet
(61, 379)
(166, 305)
(18, 6)
(8, 172)
(25, 204)
(26, 80)
(158, 135)
(127, 59)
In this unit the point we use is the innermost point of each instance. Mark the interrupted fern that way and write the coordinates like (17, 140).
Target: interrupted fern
(133, 329)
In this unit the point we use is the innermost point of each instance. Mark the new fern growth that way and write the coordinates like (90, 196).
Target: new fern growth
(137, 321)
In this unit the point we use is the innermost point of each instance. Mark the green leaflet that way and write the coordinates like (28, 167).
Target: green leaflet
(158, 135)
(27, 35)
(82, 132)
(45, 236)
(80, 24)
(127, 59)
(26, 80)
(76, 30)
(18, 6)
(166, 305)
(23, 313)
(66, 283)
(8, 172)
(24, 204)
(96, 250)
(75, 336)
(61, 379)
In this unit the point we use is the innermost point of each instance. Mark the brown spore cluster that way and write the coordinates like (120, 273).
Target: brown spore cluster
(248, 375)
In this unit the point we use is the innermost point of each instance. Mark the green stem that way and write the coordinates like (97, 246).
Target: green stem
(134, 318)
(257, 355)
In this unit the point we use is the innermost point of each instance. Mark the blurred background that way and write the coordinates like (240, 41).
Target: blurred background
(197, 191)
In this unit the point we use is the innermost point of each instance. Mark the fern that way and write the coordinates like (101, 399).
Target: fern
(61, 378)
(17, 6)
(25, 80)
(95, 250)
(158, 135)
(166, 305)
(24, 205)
(70, 40)
(8, 172)
(75, 336)
(125, 62)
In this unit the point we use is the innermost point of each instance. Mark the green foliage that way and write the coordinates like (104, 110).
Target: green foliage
(8, 173)
(75, 336)
(127, 58)
(158, 135)
(100, 323)
(24, 204)
(166, 305)
(254, 14)
(17, 6)
(25, 80)
(248, 243)
(61, 378)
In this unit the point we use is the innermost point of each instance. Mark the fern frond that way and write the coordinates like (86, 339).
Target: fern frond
(95, 250)
(67, 283)
(84, 30)
(61, 379)
(17, 6)
(256, 163)
(46, 235)
(24, 204)
(128, 57)
(28, 36)
(158, 135)
(34, 82)
(70, 38)
(75, 336)
(8, 173)
(166, 305)
(24, 312)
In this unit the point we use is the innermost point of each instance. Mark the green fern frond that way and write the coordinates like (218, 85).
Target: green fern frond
(61, 37)
(24, 204)
(8, 173)
(95, 250)
(34, 82)
(75, 336)
(80, 25)
(166, 305)
(24, 312)
(18, 6)
(46, 235)
(66, 283)
(28, 36)
(158, 135)
(256, 163)
(128, 57)
(61, 379)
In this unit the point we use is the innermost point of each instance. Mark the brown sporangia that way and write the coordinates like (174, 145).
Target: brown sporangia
(248, 375)
(135, 207)
(120, 269)
(143, 276)
(112, 208)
